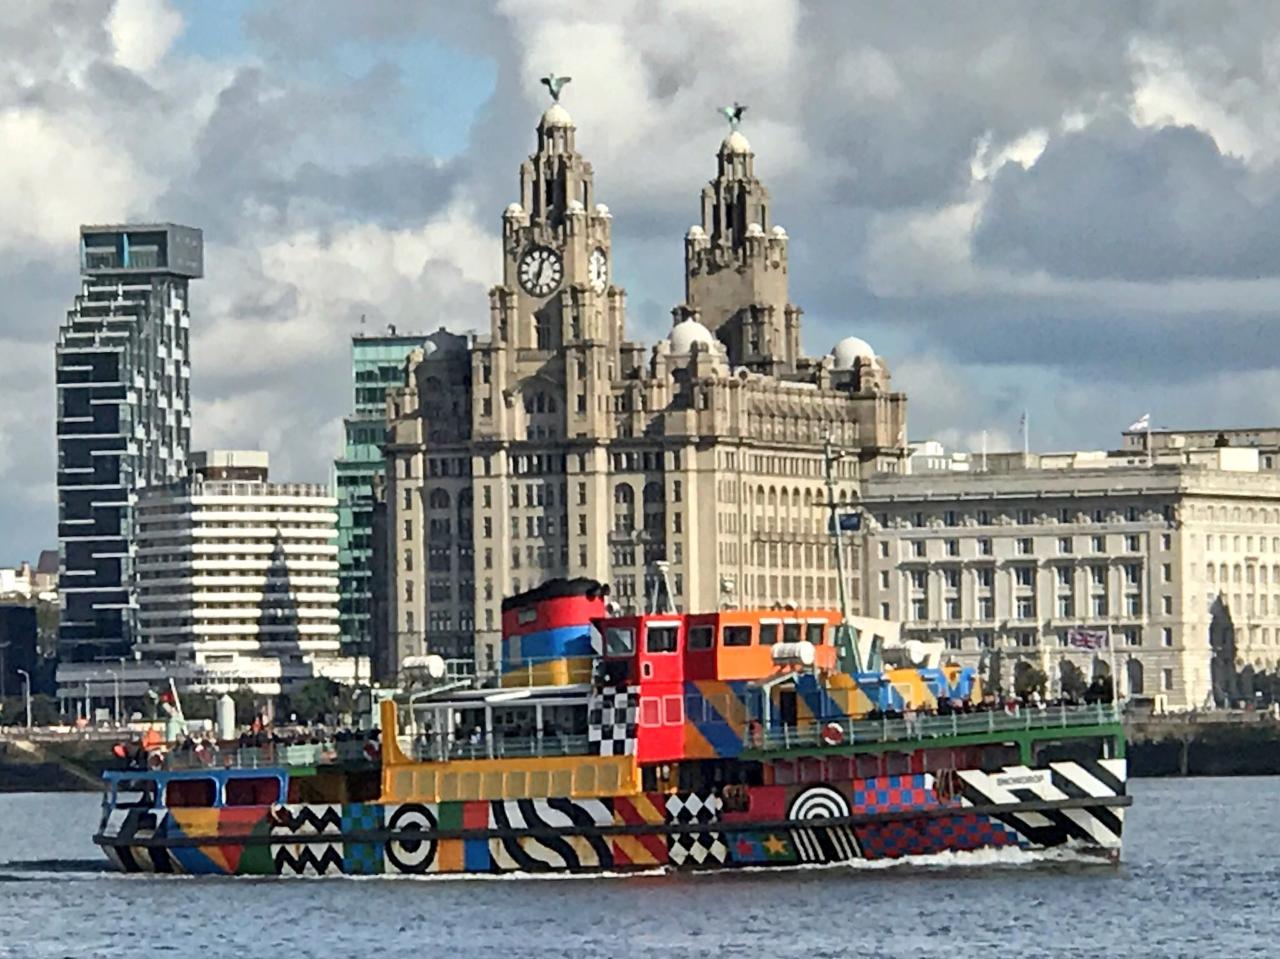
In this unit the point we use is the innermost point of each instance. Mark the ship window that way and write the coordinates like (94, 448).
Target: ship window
(619, 641)
(673, 708)
(649, 712)
(258, 791)
(896, 764)
(815, 633)
(701, 637)
(768, 634)
(660, 639)
(188, 793)
(791, 632)
(735, 636)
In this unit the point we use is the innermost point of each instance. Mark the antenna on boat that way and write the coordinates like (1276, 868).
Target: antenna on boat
(658, 586)
(846, 638)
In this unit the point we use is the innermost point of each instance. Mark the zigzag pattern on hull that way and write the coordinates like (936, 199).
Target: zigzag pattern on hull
(308, 859)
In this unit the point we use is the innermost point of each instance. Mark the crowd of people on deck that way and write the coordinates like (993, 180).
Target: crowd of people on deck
(1099, 691)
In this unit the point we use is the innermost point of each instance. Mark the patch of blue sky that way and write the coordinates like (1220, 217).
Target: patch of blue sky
(440, 90)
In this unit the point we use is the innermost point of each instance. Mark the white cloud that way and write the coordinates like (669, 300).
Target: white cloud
(142, 31)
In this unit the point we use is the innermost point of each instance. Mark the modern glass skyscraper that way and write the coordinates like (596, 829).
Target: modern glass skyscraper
(124, 417)
(377, 362)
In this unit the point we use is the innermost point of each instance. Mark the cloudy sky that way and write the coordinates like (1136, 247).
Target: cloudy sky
(1069, 209)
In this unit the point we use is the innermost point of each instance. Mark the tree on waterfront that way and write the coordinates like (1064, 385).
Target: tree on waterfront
(1029, 678)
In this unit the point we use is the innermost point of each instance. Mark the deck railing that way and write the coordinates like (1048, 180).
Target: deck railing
(498, 747)
(885, 730)
(275, 754)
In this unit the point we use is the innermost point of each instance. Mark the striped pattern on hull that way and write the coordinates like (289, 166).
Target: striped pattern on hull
(1095, 825)
(550, 853)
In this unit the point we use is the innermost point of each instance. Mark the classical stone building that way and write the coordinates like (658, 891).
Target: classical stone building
(1178, 561)
(553, 446)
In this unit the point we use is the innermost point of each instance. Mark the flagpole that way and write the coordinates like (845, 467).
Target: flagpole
(1149, 455)
(984, 451)
(1115, 677)
(1026, 441)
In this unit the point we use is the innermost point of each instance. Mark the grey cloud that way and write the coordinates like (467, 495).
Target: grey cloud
(1113, 201)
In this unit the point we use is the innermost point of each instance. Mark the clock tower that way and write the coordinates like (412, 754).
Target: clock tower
(557, 261)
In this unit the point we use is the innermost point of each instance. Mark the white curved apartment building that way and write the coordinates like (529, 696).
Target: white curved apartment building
(238, 578)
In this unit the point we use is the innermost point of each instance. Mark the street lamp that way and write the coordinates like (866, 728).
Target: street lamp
(26, 678)
(115, 695)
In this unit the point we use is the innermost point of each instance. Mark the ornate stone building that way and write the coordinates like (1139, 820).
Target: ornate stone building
(553, 446)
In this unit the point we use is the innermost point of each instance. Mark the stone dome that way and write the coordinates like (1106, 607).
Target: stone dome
(686, 333)
(851, 349)
(575, 206)
(735, 142)
(514, 209)
(779, 232)
(557, 116)
(602, 210)
(695, 230)
(755, 229)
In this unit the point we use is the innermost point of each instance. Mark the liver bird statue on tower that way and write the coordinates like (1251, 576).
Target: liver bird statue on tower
(734, 114)
(555, 84)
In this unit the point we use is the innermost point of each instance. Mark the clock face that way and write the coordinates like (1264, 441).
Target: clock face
(541, 271)
(598, 270)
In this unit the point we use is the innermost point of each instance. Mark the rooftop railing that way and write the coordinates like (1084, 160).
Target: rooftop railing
(922, 727)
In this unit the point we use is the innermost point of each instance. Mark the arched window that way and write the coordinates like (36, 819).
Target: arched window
(438, 499)
(653, 492)
(1134, 674)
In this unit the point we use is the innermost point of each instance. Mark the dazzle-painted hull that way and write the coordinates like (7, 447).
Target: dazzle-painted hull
(1075, 804)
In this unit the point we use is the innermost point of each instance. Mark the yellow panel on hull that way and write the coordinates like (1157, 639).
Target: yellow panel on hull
(461, 780)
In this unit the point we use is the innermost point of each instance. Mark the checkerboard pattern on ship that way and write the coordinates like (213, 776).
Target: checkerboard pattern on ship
(611, 721)
(884, 794)
(926, 836)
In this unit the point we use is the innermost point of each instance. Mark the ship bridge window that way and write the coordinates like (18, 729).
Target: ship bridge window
(791, 632)
(735, 636)
(189, 793)
(619, 641)
(815, 633)
(701, 637)
(661, 639)
(257, 791)
(768, 634)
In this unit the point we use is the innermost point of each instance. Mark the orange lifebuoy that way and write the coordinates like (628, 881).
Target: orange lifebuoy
(833, 734)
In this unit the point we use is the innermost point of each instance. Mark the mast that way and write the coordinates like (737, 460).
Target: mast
(846, 639)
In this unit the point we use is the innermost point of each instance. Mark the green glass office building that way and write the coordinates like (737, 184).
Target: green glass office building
(377, 363)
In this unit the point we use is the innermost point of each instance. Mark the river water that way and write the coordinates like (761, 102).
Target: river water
(1200, 875)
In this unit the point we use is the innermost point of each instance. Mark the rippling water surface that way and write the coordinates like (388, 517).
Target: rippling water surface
(1200, 876)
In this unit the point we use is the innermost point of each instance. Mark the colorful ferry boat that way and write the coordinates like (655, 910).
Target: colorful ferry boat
(659, 741)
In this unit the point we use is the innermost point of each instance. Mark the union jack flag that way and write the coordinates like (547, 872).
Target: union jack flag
(1087, 638)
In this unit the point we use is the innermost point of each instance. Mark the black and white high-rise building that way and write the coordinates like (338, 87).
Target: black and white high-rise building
(124, 419)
